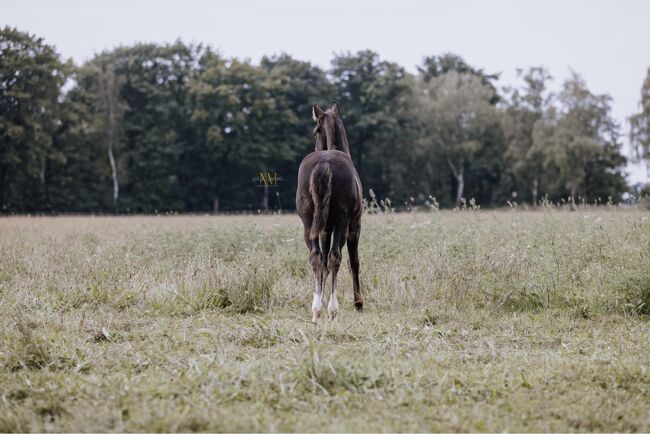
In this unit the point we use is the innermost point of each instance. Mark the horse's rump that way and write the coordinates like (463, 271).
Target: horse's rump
(328, 189)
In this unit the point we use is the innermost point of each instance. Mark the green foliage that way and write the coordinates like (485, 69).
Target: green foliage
(640, 123)
(586, 142)
(81, 180)
(248, 120)
(375, 97)
(31, 76)
(293, 86)
(229, 102)
(457, 111)
(156, 123)
(435, 66)
(564, 146)
(523, 127)
(158, 128)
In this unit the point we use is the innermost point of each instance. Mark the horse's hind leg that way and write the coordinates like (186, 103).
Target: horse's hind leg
(353, 252)
(325, 244)
(317, 262)
(333, 264)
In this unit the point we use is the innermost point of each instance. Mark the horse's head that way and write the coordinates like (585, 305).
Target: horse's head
(329, 130)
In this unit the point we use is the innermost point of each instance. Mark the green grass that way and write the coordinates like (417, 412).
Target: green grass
(475, 320)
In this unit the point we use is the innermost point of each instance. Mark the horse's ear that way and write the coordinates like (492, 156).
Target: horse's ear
(336, 108)
(316, 112)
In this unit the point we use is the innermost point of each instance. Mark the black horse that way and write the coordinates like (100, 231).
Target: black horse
(329, 202)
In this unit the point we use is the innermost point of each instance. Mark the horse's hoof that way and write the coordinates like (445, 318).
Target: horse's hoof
(358, 305)
(332, 315)
(315, 316)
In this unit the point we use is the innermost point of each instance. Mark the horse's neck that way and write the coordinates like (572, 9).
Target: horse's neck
(341, 138)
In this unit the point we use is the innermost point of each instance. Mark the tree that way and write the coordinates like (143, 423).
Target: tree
(640, 124)
(489, 180)
(110, 85)
(31, 77)
(458, 113)
(375, 96)
(151, 118)
(98, 87)
(586, 143)
(176, 127)
(78, 176)
(523, 111)
(229, 103)
(435, 66)
(292, 87)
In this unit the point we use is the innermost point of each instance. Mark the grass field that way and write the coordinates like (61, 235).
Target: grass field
(475, 320)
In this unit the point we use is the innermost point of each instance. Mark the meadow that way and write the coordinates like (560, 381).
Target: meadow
(475, 320)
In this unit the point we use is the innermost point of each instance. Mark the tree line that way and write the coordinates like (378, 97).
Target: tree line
(180, 128)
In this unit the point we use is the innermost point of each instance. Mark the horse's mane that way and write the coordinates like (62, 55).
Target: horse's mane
(340, 136)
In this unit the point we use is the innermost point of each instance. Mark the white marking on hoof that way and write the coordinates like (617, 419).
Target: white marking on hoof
(316, 306)
(333, 307)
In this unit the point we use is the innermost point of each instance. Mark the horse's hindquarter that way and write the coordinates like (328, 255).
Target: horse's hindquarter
(346, 186)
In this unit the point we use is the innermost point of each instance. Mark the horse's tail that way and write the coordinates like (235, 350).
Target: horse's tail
(320, 188)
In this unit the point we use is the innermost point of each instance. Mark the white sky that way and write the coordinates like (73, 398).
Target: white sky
(608, 42)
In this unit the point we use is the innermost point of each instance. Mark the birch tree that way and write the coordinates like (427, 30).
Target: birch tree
(113, 107)
(640, 125)
(456, 111)
(524, 109)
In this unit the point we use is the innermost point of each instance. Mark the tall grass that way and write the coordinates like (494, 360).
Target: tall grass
(475, 320)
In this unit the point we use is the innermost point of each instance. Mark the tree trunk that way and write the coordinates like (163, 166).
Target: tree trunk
(215, 204)
(574, 189)
(41, 173)
(535, 190)
(265, 198)
(116, 186)
(110, 88)
(460, 178)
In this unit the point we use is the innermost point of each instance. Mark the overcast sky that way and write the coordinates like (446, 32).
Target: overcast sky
(608, 42)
